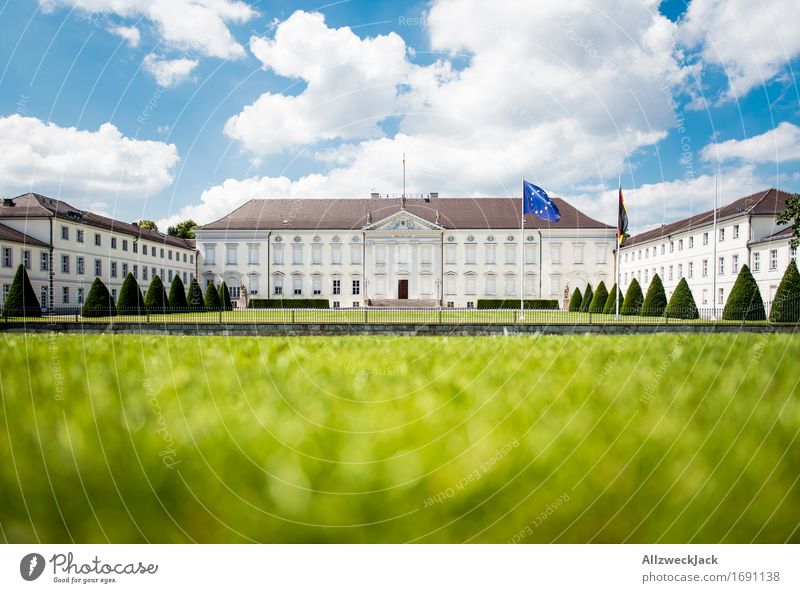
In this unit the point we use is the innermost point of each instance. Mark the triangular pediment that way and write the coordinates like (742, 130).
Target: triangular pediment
(403, 221)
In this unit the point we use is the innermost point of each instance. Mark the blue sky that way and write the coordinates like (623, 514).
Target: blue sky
(169, 110)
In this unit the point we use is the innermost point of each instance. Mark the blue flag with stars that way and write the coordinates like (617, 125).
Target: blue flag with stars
(536, 201)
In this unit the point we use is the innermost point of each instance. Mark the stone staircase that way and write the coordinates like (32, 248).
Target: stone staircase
(403, 303)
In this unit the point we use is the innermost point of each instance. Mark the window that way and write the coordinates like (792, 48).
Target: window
(773, 259)
(734, 264)
(662, 272)
(381, 285)
(705, 268)
(355, 254)
(691, 270)
(555, 284)
(114, 243)
(97, 240)
(7, 263)
(43, 294)
(670, 272)
(705, 238)
(136, 249)
(691, 242)
(578, 252)
(79, 266)
(169, 276)
(469, 254)
(316, 285)
(705, 296)
(297, 254)
(316, 254)
(555, 254)
(721, 235)
(337, 287)
(277, 285)
(125, 245)
(600, 250)
(114, 269)
(491, 254)
(511, 285)
(680, 270)
(530, 254)
(113, 294)
(721, 269)
(136, 271)
(124, 270)
(26, 258)
(336, 304)
(356, 286)
(144, 249)
(450, 285)
(235, 292)
(65, 294)
(402, 254)
(65, 264)
(252, 255)
(277, 254)
(65, 233)
(80, 295)
(671, 246)
(511, 254)
(231, 255)
(336, 254)
(470, 284)
(530, 285)
(736, 231)
(450, 254)
(144, 272)
(162, 253)
(426, 254)
(210, 254)
(98, 267)
(793, 253)
(44, 260)
(297, 285)
(647, 253)
(79, 236)
(646, 276)
(721, 297)
(491, 285)
(663, 248)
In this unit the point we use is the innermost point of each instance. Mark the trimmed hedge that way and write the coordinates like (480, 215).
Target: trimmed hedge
(599, 299)
(655, 303)
(610, 307)
(575, 301)
(682, 305)
(632, 305)
(177, 294)
(225, 297)
(745, 302)
(212, 298)
(156, 299)
(99, 302)
(786, 304)
(288, 304)
(586, 302)
(195, 296)
(514, 304)
(130, 300)
(21, 300)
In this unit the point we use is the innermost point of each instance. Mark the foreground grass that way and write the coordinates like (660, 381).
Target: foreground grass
(537, 439)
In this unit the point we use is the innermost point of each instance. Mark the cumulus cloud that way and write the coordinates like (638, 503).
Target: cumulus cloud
(169, 72)
(779, 144)
(752, 41)
(45, 156)
(130, 35)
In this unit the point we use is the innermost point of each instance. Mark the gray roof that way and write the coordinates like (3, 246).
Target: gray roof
(784, 233)
(9, 234)
(353, 213)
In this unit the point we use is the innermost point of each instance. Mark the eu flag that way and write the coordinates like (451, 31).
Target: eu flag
(536, 201)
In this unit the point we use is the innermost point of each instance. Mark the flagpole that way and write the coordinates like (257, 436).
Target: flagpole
(714, 264)
(619, 245)
(522, 253)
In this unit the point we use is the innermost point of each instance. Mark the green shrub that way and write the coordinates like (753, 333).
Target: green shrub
(610, 307)
(195, 297)
(130, 300)
(289, 304)
(682, 305)
(212, 298)
(156, 300)
(586, 301)
(599, 299)
(21, 300)
(514, 304)
(99, 302)
(575, 301)
(656, 300)
(225, 297)
(786, 304)
(745, 302)
(632, 305)
(177, 294)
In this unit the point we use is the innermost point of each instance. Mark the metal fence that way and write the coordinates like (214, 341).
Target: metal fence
(365, 315)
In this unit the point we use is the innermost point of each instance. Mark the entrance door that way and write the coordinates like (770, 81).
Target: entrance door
(402, 289)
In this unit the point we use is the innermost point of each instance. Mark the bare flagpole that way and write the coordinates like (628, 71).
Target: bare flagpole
(619, 245)
(522, 253)
(714, 263)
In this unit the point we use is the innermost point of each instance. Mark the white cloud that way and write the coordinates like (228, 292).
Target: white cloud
(45, 156)
(752, 41)
(131, 35)
(200, 26)
(169, 72)
(777, 145)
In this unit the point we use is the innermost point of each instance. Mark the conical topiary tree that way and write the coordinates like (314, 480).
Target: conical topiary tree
(195, 296)
(599, 299)
(98, 302)
(177, 294)
(156, 300)
(632, 305)
(786, 304)
(225, 297)
(682, 305)
(21, 300)
(212, 298)
(610, 307)
(586, 302)
(655, 302)
(130, 300)
(745, 302)
(575, 300)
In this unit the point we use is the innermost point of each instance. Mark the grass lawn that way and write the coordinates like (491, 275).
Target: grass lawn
(669, 438)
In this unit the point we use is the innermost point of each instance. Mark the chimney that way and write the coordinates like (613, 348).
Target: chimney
(374, 195)
(434, 195)
(8, 202)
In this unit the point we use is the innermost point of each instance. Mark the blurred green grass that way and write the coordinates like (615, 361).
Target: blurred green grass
(668, 438)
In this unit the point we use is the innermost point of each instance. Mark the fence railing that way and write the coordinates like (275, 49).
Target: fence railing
(363, 315)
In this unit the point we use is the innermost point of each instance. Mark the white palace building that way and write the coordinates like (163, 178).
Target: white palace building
(421, 251)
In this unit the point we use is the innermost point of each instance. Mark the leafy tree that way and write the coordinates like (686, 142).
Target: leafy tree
(225, 297)
(177, 294)
(575, 301)
(791, 214)
(130, 300)
(212, 298)
(786, 304)
(156, 299)
(610, 307)
(195, 296)
(99, 302)
(682, 305)
(588, 295)
(184, 230)
(147, 224)
(745, 302)
(632, 305)
(599, 299)
(656, 300)
(21, 300)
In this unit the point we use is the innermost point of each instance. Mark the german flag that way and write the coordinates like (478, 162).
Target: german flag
(622, 219)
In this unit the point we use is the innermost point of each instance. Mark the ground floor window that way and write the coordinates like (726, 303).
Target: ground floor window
(356, 286)
(235, 291)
